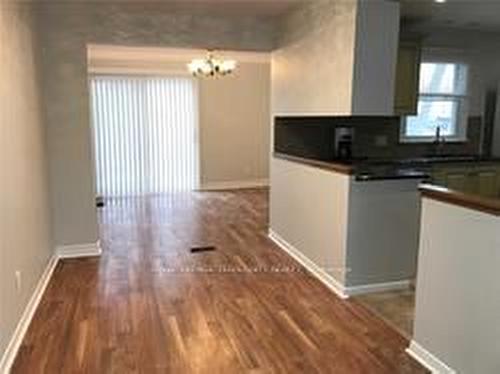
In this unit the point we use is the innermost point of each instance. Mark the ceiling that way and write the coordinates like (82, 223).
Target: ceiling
(229, 8)
(479, 15)
(421, 15)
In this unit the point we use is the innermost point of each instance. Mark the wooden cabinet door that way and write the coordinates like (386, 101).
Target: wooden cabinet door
(482, 181)
(439, 177)
(458, 180)
(407, 79)
(487, 183)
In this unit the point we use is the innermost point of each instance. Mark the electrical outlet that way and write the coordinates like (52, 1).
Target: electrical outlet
(19, 278)
(381, 141)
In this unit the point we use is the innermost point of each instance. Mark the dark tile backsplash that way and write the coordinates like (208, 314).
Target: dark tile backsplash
(367, 137)
(374, 137)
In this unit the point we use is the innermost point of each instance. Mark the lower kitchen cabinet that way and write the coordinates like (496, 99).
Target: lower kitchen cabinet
(488, 183)
(481, 180)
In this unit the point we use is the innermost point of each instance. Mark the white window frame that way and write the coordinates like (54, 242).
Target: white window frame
(462, 112)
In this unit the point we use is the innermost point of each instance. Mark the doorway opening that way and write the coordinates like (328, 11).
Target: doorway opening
(145, 134)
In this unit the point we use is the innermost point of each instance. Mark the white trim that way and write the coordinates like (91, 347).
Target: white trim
(153, 71)
(314, 269)
(313, 114)
(29, 311)
(79, 250)
(337, 287)
(377, 287)
(102, 52)
(62, 252)
(234, 185)
(427, 359)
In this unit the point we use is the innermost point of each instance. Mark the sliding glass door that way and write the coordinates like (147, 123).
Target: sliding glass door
(145, 131)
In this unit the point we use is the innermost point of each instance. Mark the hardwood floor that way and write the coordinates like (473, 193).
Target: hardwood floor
(149, 305)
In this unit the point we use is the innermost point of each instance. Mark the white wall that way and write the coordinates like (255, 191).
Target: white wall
(457, 295)
(25, 240)
(233, 111)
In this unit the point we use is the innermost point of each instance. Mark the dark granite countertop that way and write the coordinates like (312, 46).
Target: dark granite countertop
(411, 168)
(366, 169)
(431, 160)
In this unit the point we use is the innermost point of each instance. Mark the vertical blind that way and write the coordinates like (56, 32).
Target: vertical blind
(145, 132)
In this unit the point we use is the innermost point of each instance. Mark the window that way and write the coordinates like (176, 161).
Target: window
(145, 131)
(442, 104)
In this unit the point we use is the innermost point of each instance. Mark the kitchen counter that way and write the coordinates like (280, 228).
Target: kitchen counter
(459, 198)
(364, 169)
(343, 167)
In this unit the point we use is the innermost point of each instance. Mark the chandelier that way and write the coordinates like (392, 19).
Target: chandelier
(211, 66)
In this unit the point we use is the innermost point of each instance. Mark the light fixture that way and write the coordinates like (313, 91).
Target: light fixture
(211, 66)
(440, 1)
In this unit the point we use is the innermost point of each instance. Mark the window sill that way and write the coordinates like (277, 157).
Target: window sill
(431, 140)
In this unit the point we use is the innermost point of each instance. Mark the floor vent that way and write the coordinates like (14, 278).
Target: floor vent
(207, 248)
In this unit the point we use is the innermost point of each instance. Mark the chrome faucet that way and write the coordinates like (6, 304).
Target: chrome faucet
(439, 141)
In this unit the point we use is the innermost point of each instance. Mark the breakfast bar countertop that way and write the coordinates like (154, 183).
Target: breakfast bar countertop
(366, 169)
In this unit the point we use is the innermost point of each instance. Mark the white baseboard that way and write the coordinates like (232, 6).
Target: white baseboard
(377, 287)
(427, 359)
(79, 250)
(314, 269)
(234, 185)
(341, 290)
(29, 311)
(61, 252)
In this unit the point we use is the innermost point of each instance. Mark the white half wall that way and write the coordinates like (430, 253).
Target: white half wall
(458, 292)
(309, 210)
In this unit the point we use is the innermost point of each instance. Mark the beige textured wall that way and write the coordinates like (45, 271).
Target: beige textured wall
(337, 57)
(65, 31)
(312, 69)
(25, 241)
(234, 126)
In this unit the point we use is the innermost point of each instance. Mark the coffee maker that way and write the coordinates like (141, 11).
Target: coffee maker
(343, 143)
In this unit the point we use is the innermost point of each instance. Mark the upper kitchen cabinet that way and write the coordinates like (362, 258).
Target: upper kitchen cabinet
(407, 78)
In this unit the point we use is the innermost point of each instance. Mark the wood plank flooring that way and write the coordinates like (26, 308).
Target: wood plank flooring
(149, 305)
